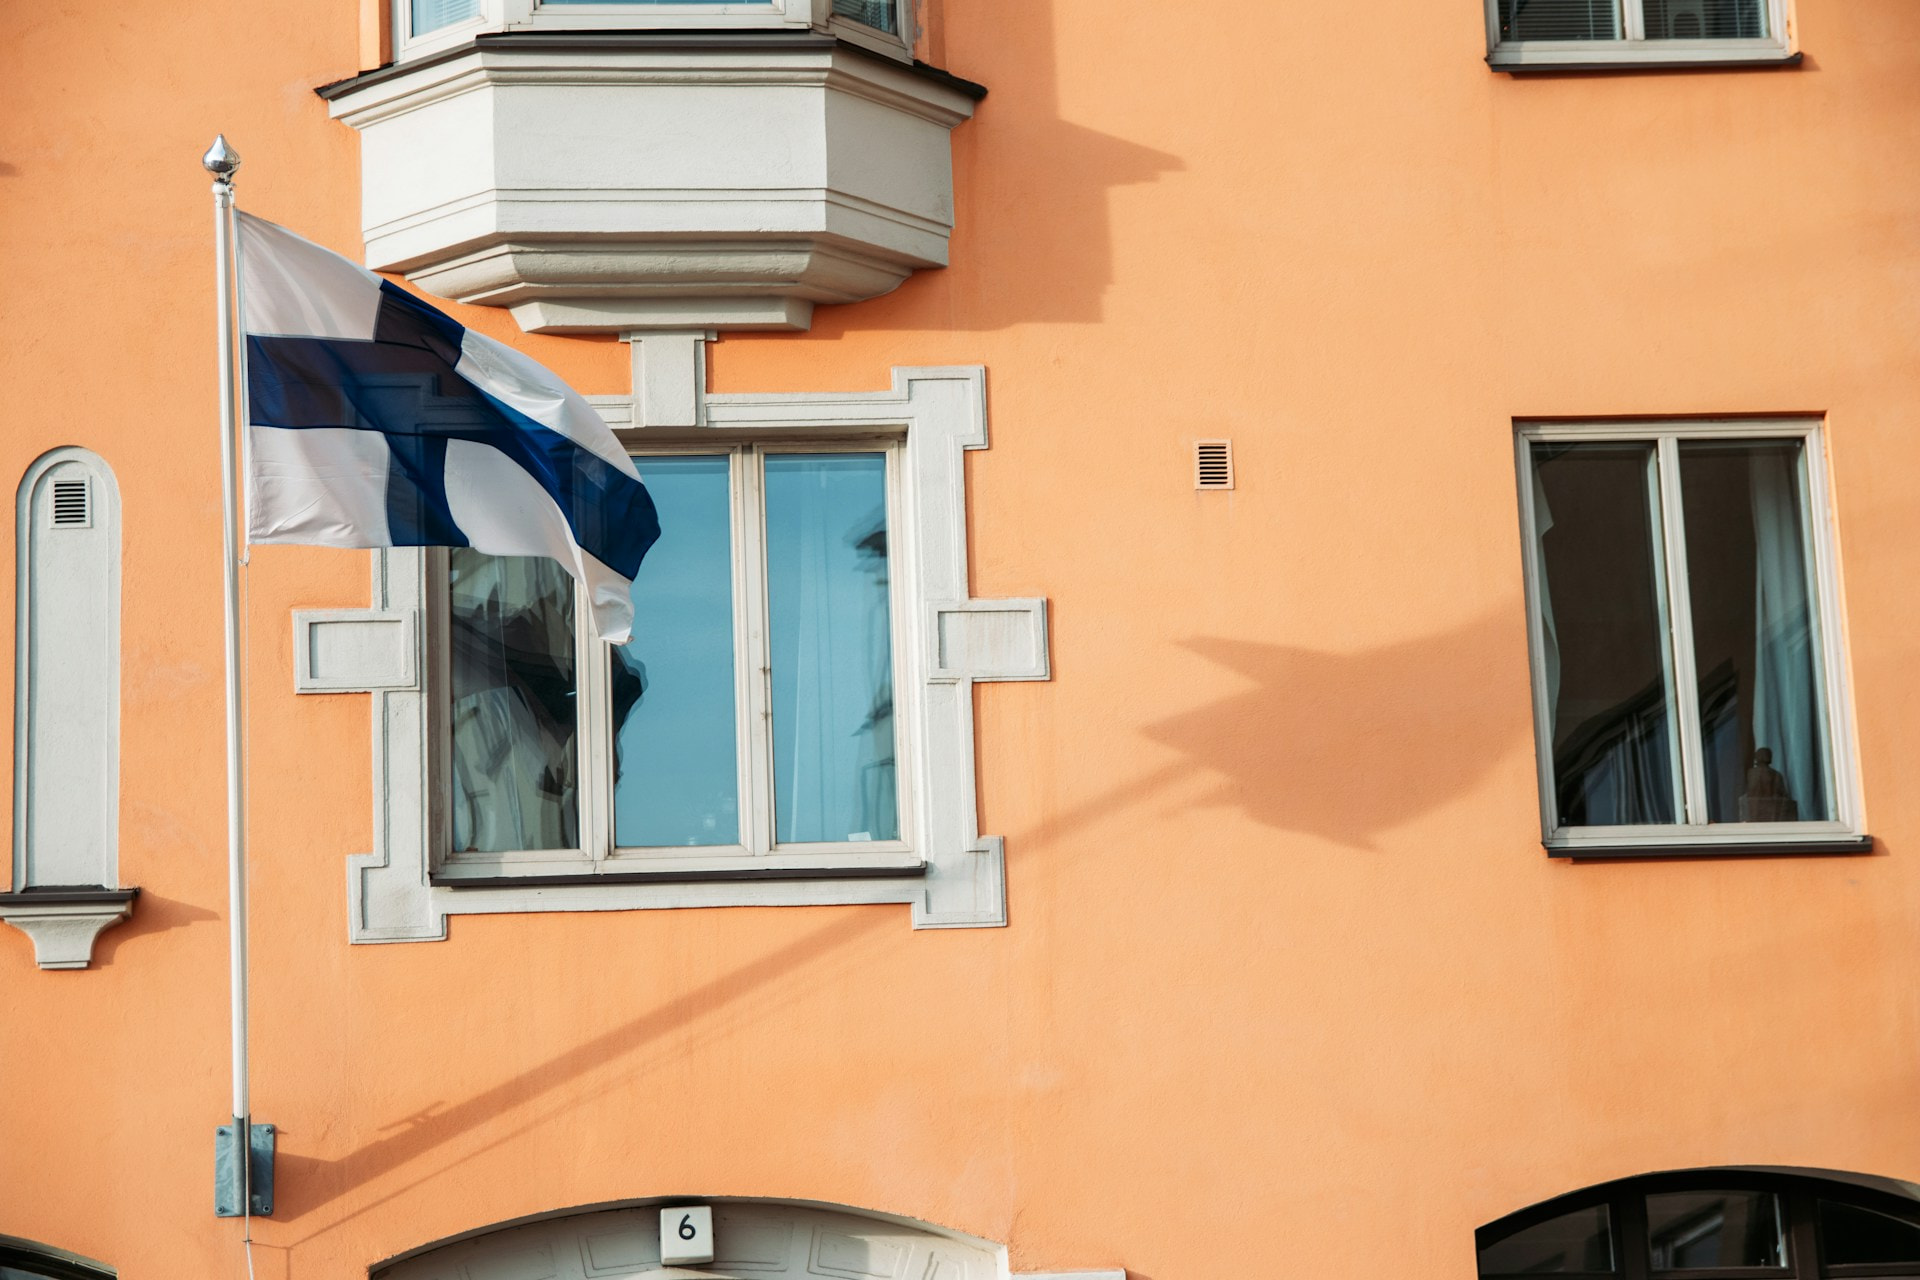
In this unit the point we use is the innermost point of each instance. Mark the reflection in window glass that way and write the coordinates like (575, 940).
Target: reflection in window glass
(676, 771)
(1756, 647)
(514, 765)
(1560, 20)
(1850, 1234)
(878, 14)
(1603, 631)
(1579, 1241)
(1706, 19)
(831, 648)
(431, 15)
(1691, 1229)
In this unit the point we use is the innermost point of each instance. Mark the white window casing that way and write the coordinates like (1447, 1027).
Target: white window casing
(1844, 831)
(66, 785)
(943, 640)
(1634, 48)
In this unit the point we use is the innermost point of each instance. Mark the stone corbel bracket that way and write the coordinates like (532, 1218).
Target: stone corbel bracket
(951, 641)
(63, 921)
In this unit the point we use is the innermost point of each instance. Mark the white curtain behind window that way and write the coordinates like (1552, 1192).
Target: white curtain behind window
(1785, 702)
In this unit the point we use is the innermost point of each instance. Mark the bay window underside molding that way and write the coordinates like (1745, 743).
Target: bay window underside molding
(949, 874)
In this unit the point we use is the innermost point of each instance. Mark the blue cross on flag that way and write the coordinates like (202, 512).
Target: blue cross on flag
(374, 420)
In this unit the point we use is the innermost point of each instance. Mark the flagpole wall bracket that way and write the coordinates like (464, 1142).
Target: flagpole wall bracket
(227, 1185)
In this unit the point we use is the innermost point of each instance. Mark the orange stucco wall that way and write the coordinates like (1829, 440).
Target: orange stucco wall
(1290, 986)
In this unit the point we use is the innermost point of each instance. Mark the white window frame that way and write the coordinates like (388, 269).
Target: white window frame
(1845, 833)
(1634, 49)
(758, 852)
(944, 641)
(544, 16)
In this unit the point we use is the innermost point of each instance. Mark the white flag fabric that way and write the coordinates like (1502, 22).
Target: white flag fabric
(375, 420)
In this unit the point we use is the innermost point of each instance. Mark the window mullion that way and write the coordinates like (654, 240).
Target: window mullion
(1633, 19)
(753, 665)
(1686, 703)
(593, 733)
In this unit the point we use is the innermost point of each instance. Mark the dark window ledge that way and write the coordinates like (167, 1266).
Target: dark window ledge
(703, 875)
(1847, 845)
(1638, 66)
(77, 894)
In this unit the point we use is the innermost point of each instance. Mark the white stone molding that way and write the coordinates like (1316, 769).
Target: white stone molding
(611, 182)
(770, 1239)
(66, 741)
(354, 650)
(64, 923)
(950, 641)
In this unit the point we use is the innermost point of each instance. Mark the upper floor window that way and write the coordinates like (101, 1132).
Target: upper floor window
(750, 718)
(1560, 34)
(426, 26)
(1686, 657)
(1688, 1225)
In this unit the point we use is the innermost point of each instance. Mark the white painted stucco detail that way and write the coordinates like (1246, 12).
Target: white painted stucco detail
(950, 640)
(66, 736)
(618, 186)
(772, 1239)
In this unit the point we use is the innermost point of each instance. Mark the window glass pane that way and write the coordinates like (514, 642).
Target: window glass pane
(510, 621)
(545, 3)
(675, 759)
(831, 645)
(878, 14)
(1559, 20)
(1692, 1229)
(431, 15)
(1762, 706)
(1578, 1241)
(1603, 622)
(1706, 19)
(1849, 1233)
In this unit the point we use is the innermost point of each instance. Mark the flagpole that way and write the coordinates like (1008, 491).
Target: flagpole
(221, 161)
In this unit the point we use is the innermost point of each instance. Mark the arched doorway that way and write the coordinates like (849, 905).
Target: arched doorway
(753, 1240)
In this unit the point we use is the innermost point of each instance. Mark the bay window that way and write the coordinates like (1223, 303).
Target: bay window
(1686, 659)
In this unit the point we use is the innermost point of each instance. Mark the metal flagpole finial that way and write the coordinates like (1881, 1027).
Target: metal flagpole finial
(221, 160)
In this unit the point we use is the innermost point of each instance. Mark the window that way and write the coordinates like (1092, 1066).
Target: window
(1685, 638)
(820, 536)
(427, 26)
(751, 717)
(1763, 1224)
(1562, 34)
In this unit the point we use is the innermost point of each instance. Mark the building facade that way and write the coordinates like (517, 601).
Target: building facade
(1270, 655)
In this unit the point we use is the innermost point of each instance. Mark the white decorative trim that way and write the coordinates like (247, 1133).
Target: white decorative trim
(943, 414)
(63, 932)
(354, 650)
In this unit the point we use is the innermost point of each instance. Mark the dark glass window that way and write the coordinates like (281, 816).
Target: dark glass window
(1707, 1224)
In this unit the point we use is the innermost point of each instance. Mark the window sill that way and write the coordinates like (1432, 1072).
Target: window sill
(1665, 850)
(691, 871)
(1521, 62)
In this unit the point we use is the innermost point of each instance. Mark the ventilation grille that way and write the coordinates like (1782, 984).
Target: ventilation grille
(71, 510)
(1213, 464)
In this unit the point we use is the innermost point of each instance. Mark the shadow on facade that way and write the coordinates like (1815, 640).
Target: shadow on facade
(1033, 228)
(1346, 746)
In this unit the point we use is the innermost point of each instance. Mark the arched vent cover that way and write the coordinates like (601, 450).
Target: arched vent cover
(71, 506)
(1793, 1224)
(1213, 464)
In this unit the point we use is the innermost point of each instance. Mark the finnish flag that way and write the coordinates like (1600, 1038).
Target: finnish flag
(373, 420)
